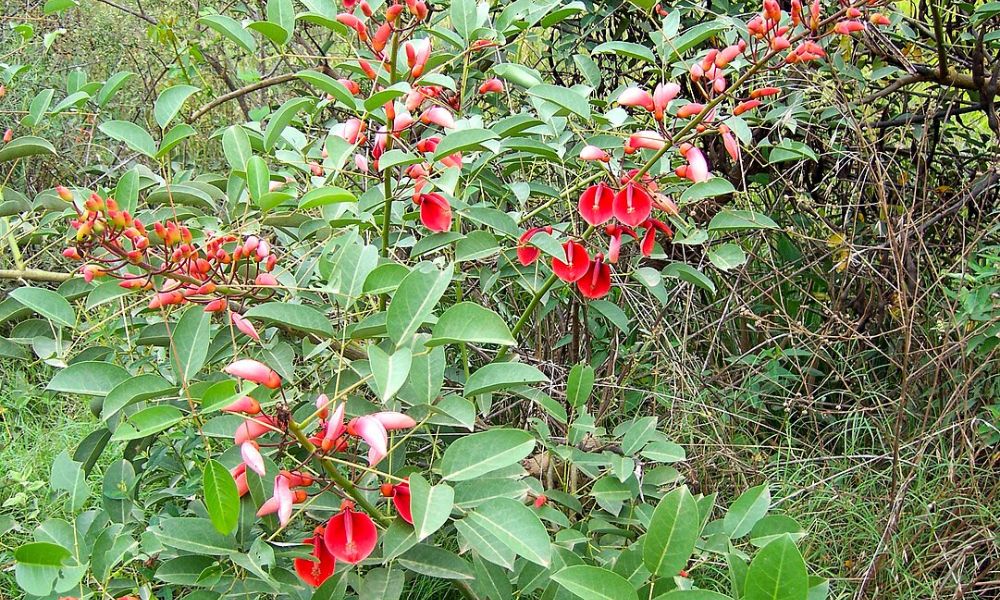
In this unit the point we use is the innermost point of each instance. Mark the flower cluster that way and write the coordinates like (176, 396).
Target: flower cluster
(216, 272)
(424, 107)
(350, 535)
(630, 205)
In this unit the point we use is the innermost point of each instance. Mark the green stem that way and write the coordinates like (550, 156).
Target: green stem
(387, 174)
(338, 478)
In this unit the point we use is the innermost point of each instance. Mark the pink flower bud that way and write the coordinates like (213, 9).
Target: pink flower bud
(254, 371)
(634, 96)
(590, 152)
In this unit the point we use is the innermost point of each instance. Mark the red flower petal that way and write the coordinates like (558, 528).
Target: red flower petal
(527, 254)
(401, 499)
(315, 572)
(632, 205)
(350, 536)
(576, 264)
(595, 204)
(435, 212)
(596, 283)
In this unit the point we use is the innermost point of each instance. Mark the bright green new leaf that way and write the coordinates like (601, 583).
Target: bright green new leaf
(222, 499)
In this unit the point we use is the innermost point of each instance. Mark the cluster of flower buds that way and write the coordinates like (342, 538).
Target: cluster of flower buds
(350, 535)
(766, 27)
(213, 272)
(425, 105)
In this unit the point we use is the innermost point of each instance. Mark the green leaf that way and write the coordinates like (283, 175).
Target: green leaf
(789, 151)
(744, 513)
(397, 158)
(430, 505)
(645, 5)
(281, 118)
(672, 533)
(39, 105)
(628, 49)
(329, 85)
(436, 562)
(169, 103)
(693, 37)
(727, 256)
(222, 499)
(293, 316)
(47, 303)
(686, 272)
(516, 526)
(25, 146)
(771, 527)
(88, 378)
(258, 178)
(127, 194)
(389, 371)
(131, 135)
(415, 299)
(498, 376)
(177, 134)
(193, 534)
(777, 572)
(189, 341)
(570, 99)
(324, 196)
(38, 566)
(664, 452)
(236, 147)
(518, 74)
(135, 389)
(464, 140)
(232, 30)
(282, 14)
(477, 245)
(73, 100)
(56, 6)
(112, 85)
(738, 220)
(716, 186)
(693, 595)
(594, 583)
(464, 17)
(480, 453)
(470, 322)
(580, 385)
(146, 422)
(68, 476)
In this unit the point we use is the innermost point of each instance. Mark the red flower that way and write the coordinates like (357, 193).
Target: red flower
(576, 264)
(615, 243)
(350, 536)
(435, 212)
(527, 254)
(400, 494)
(632, 205)
(595, 204)
(315, 572)
(652, 226)
(596, 283)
